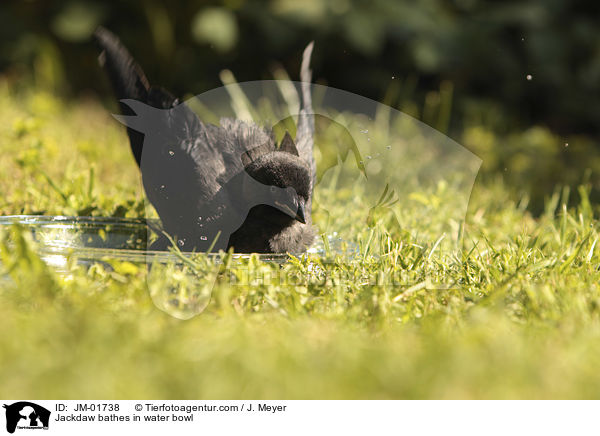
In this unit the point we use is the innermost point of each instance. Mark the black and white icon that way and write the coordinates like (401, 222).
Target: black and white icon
(26, 415)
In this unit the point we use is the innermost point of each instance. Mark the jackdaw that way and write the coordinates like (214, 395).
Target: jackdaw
(216, 187)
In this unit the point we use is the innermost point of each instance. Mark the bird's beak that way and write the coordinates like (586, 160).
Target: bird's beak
(300, 215)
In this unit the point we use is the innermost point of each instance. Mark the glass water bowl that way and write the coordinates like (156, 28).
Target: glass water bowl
(96, 239)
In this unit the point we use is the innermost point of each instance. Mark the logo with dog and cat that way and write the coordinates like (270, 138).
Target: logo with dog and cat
(24, 415)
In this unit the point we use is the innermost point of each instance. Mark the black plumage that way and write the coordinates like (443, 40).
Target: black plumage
(216, 186)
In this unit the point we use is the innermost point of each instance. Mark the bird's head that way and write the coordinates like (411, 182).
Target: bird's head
(280, 179)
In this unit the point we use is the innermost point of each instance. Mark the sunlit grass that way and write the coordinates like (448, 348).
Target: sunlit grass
(521, 321)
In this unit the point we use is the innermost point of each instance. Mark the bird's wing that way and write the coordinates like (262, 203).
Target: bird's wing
(177, 154)
(187, 165)
(306, 121)
(183, 159)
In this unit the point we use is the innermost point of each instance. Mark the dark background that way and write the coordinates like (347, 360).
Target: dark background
(472, 55)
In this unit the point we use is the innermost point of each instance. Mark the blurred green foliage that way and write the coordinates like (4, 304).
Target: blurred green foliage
(513, 81)
(485, 48)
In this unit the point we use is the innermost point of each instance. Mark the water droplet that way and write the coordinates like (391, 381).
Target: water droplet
(361, 162)
(181, 242)
(368, 139)
(203, 238)
(523, 39)
(162, 186)
(171, 153)
(393, 77)
(389, 147)
(369, 157)
(364, 131)
(505, 169)
(529, 77)
(566, 144)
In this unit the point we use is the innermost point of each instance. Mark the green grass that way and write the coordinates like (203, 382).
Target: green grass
(521, 321)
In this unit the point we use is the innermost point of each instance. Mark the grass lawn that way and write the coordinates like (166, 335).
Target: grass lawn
(521, 321)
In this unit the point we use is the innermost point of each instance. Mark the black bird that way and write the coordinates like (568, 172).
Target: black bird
(216, 186)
